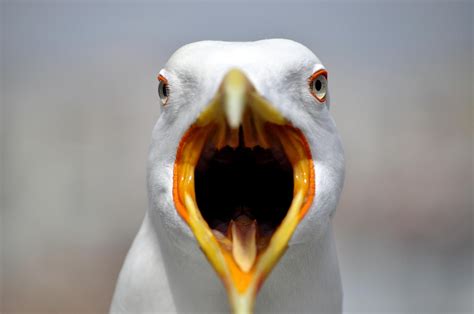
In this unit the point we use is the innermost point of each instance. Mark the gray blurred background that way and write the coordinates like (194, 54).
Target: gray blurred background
(78, 96)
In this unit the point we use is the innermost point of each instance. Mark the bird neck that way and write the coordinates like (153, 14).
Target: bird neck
(306, 279)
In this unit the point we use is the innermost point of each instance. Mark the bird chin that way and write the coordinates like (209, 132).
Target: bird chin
(242, 182)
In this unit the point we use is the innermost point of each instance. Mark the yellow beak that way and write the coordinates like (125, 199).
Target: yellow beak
(239, 116)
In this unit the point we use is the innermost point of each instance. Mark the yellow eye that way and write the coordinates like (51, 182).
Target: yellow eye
(318, 83)
(163, 89)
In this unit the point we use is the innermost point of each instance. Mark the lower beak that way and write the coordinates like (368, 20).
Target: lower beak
(239, 117)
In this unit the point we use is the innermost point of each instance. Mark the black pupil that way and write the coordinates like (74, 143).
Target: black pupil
(164, 90)
(318, 85)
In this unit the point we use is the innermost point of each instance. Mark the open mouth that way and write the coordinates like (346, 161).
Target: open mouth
(244, 189)
(243, 180)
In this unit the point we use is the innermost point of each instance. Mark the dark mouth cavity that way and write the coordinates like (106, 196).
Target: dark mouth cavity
(255, 182)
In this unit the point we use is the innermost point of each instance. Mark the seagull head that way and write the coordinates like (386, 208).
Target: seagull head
(245, 159)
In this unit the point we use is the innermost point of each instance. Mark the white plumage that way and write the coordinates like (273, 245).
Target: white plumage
(165, 270)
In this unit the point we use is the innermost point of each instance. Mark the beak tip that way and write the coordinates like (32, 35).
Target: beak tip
(233, 123)
(234, 109)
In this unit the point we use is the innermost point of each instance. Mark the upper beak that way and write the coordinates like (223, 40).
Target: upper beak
(233, 98)
(237, 111)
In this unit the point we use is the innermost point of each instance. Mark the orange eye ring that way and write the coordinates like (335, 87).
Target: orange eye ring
(318, 83)
(163, 89)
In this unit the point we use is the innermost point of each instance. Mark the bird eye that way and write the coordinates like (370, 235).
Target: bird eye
(319, 84)
(163, 89)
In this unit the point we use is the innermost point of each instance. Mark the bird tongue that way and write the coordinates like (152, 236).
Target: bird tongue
(243, 231)
(241, 241)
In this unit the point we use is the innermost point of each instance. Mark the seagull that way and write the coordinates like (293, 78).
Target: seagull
(244, 174)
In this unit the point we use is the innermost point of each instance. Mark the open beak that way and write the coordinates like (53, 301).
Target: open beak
(243, 180)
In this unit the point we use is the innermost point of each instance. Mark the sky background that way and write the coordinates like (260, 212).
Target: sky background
(78, 103)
